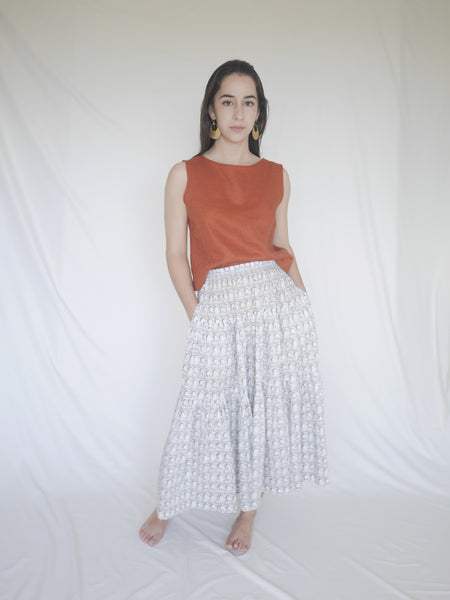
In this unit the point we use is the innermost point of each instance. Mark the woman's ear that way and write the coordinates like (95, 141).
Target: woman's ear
(211, 112)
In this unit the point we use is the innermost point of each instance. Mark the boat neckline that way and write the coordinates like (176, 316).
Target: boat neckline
(231, 164)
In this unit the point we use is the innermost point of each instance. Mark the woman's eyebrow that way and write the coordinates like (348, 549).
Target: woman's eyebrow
(230, 96)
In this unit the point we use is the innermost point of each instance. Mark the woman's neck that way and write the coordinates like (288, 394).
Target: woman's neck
(233, 154)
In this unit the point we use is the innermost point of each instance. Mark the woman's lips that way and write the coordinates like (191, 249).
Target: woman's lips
(237, 128)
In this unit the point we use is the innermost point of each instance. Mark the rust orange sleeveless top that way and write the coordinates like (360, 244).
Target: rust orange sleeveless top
(231, 211)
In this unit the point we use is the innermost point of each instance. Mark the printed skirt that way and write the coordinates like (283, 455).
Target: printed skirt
(250, 412)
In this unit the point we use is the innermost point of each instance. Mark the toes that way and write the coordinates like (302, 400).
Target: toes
(149, 539)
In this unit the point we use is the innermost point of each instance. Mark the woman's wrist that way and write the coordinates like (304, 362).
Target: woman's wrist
(190, 311)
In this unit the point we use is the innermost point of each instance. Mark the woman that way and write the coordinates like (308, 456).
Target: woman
(249, 416)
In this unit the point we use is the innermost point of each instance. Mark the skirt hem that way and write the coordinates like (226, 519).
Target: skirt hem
(243, 507)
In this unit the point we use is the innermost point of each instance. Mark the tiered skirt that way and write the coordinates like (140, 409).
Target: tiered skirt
(250, 412)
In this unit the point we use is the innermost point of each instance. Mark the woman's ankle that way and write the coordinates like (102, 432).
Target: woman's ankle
(248, 513)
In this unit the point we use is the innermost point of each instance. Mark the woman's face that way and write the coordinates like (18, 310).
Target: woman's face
(235, 106)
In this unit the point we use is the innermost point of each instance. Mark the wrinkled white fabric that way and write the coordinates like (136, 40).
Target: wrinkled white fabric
(249, 416)
(98, 100)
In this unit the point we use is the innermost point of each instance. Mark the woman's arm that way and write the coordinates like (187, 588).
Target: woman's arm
(280, 236)
(176, 224)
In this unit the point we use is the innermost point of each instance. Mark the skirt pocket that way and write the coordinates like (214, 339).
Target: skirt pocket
(293, 285)
(195, 313)
(299, 289)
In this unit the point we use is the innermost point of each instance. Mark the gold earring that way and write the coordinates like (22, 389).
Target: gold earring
(214, 131)
(255, 132)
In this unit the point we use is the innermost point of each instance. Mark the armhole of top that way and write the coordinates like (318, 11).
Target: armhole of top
(281, 184)
(187, 180)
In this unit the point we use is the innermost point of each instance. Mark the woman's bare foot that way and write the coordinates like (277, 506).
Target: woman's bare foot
(153, 529)
(241, 533)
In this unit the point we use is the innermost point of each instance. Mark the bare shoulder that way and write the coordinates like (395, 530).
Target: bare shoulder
(178, 172)
(177, 177)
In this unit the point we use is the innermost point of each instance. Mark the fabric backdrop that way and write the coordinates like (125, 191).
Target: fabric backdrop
(98, 100)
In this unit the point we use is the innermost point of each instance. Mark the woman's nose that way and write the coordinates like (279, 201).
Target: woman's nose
(238, 112)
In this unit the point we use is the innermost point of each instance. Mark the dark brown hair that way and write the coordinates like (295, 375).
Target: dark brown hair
(232, 66)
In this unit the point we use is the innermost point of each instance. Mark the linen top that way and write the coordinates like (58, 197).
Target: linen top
(232, 214)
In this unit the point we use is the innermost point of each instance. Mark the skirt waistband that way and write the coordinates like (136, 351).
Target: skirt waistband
(253, 265)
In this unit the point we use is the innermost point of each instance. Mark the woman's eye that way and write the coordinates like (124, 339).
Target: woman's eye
(227, 102)
(250, 103)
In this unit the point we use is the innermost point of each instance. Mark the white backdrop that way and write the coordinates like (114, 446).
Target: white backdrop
(98, 100)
